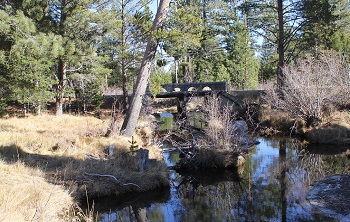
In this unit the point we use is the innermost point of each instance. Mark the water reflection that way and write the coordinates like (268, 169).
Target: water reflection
(273, 185)
(167, 119)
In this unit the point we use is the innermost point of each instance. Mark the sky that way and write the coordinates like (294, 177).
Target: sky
(154, 6)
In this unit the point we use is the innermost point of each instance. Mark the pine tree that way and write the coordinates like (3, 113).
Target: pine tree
(125, 41)
(181, 38)
(26, 58)
(279, 26)
(77, 25)
(329, 31)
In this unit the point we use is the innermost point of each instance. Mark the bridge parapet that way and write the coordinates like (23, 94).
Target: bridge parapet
(196, 86)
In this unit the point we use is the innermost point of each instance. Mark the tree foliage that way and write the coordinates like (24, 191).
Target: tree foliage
(57, 49)
(209, 42)
(26, 58)
(47, 43)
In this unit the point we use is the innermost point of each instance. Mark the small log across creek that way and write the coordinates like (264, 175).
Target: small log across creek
(113, 178)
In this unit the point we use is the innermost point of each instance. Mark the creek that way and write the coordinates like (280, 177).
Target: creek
(271, 187)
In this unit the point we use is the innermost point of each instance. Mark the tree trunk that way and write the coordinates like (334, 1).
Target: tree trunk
(280, 77)
(142, 158)
(61, 74)
(61, 69)
(123, 61)
(134, 109)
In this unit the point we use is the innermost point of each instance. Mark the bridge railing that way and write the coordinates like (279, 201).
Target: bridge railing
(196, 86)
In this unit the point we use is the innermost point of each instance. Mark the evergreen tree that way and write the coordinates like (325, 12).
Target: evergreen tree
(243, 65)
(213, 47)
(77, 25)
(268, 61)
(26, 58)
(329, 31)
(181, 38)
(279, 25)
(125, 41)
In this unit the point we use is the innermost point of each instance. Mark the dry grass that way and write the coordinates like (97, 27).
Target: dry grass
(279, 122)
(46, 134)
(335, 129)
(41, 151)
(328, 135)
(210, 158)
(26, 196)
(66, 135)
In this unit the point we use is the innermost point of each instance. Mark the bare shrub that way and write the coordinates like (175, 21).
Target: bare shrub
(219, 130)
(310, 85)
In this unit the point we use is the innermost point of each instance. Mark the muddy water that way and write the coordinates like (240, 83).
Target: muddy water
(271, 187)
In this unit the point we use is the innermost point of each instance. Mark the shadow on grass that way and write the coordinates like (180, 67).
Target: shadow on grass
(94, 177)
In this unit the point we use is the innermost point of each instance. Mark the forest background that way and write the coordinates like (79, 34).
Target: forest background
(57, 50)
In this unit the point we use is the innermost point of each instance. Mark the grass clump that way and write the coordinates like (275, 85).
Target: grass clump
(26, 196)
(328, 135)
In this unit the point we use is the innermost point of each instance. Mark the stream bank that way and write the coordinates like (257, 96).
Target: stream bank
(273, 186)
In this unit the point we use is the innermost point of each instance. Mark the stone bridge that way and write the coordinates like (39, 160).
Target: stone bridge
(236, 99)
(181, 90)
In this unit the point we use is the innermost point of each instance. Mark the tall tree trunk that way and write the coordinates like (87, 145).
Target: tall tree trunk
(280, 77)
(61, 69)
(135, 105)
(123, 52)
(245, 50)
(61, 74)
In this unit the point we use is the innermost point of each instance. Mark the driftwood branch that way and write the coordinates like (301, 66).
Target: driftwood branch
(92, 157)
(112, 177)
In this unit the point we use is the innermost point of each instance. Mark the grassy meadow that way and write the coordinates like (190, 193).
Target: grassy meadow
(48, 163)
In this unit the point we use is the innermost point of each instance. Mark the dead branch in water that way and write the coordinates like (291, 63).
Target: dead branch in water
(112, 177)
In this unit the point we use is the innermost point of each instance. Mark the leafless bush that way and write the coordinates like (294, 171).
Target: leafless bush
(310, 85)
(219, 130)
(218, 133)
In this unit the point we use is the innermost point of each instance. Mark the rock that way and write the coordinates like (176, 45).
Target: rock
(234, 161)
(330, 196)
(240, 129)
(111, 149)
(240, 161)
(241, 132)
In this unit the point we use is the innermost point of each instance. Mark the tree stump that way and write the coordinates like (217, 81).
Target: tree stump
(142, 159)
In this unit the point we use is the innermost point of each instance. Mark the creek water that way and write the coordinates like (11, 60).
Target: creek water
(272, 186)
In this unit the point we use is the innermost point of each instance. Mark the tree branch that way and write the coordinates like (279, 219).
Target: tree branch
(112, 177)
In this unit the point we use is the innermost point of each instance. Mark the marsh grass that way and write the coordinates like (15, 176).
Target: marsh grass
(279, 122)
(49, 162)
(219, 130)
(335, 130)
(26, 196)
